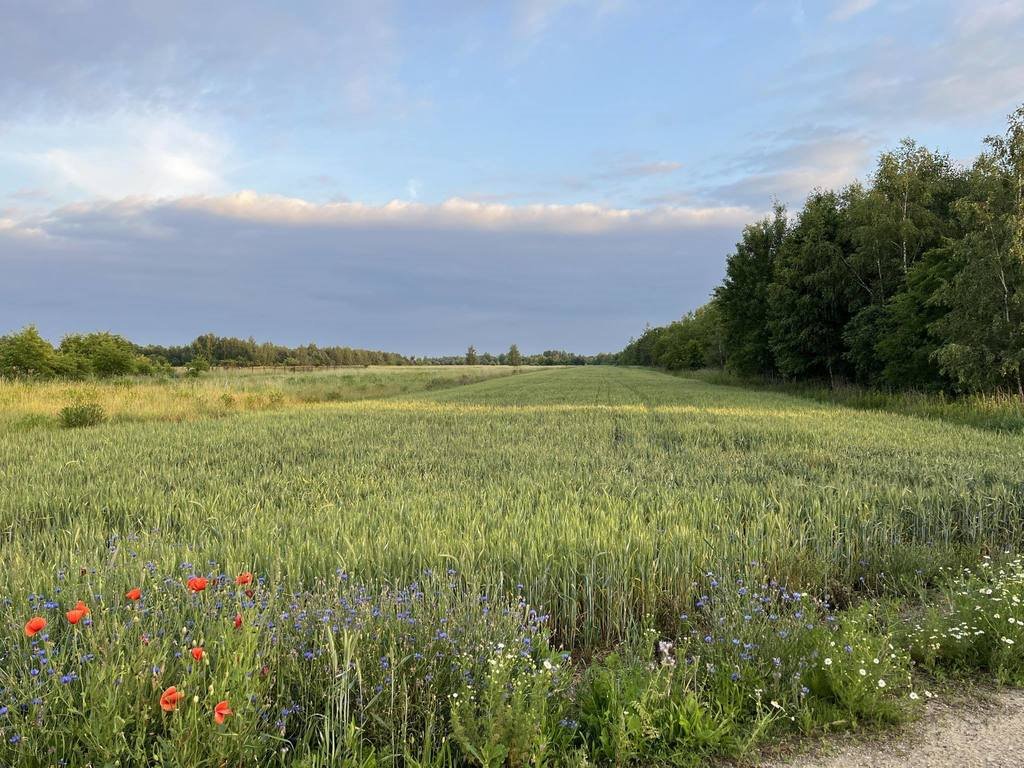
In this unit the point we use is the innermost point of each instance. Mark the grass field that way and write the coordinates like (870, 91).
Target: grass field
(591, 507)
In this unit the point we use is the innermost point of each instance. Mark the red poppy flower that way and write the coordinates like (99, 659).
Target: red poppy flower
(245, 577)
(133, 594)
(34, 625)
(249, 593)
(222, 711)
(81, 606)
(197, 583)
(75, 616)
(169, 699)
(198, 653)
(238, 621)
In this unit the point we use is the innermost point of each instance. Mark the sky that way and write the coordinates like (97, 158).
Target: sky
(419, 177)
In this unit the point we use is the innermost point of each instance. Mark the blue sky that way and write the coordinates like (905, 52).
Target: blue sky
(422, 176)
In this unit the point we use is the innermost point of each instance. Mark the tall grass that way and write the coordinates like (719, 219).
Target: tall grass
(222, 392)
(1000, 411)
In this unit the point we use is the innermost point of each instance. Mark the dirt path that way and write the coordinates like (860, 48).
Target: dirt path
(982, 733)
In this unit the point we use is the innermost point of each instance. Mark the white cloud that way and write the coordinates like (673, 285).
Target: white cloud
(788, 165)
(148, 217)
(141, 155)
(459, 213)
(156, 154)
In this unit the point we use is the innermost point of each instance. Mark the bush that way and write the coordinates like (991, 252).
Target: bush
(196, 366)
(82, 415)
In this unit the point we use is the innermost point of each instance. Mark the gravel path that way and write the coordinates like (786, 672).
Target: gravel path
(981, 733)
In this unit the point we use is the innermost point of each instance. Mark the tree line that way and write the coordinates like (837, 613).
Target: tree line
(514, 357)
(914, 280)
(103, 354)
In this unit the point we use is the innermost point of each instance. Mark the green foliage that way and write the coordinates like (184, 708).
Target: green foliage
(196, 366)
(983, 331)
(82, 415)
(695, 341)
(79, 356)
(743, 296)
(513, 357)
(809, 297)
(26, 353)
(471, 356)
(105, 354)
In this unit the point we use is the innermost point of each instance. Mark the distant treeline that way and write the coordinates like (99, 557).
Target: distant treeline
(27, 354)
(913, 281)
(78, 356)
(229, 351)
(514, 357)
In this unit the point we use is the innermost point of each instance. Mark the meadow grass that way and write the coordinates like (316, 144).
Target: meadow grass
(999, 411)
(407, 544)
(223, 392)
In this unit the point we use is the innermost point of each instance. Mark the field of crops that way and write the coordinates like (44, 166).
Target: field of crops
(560, 512)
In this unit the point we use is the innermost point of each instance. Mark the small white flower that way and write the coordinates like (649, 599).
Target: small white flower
(863, 672)
(881, 683)
(913, 696)
(828, 662)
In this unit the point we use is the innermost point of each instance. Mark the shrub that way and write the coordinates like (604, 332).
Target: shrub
(82, 415)
(196, 366)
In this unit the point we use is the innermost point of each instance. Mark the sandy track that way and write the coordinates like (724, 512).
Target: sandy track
(981, 733)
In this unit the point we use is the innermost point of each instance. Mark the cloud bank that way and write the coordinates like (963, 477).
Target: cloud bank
(399, 276)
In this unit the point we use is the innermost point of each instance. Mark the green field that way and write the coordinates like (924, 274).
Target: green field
(603, 497)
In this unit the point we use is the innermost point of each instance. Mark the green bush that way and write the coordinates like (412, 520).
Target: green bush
(82, 415)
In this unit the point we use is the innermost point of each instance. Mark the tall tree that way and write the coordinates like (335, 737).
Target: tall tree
(742, 299)
(893, 224)
(983, 332)
(809, 298)
(471, 358)
(513, 357)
